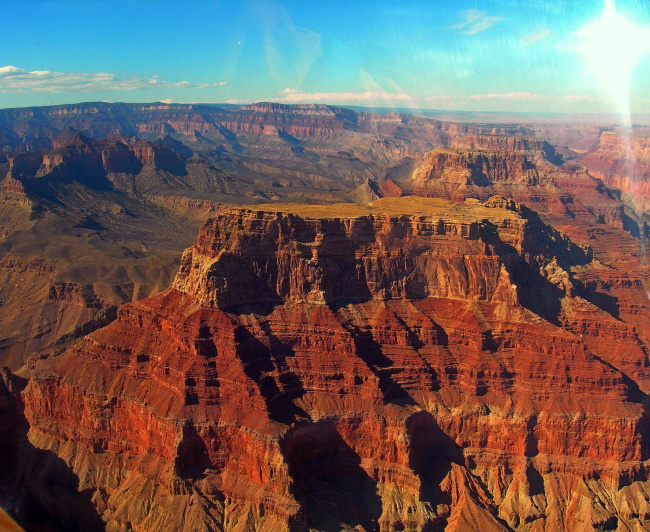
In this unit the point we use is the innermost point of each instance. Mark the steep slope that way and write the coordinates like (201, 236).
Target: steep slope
(324, 147)
(36, 487)
(413, 365)
(623, 163)
(88, 226)
(527, 171)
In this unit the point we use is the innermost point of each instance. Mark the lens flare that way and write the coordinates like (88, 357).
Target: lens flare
(612, 47)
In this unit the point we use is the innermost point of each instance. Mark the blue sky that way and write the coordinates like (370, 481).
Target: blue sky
(501, 55)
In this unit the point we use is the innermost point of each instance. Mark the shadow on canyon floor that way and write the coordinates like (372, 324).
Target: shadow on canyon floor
(39, 490)
(329, 482)
(267, 367)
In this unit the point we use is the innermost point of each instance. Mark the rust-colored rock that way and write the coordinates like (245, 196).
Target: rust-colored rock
(475, 168)
(623, 162)
(411, 365)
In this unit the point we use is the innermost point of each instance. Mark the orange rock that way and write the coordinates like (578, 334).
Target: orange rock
(432, 369)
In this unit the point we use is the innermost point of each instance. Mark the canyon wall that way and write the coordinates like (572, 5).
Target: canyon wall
(411, 365)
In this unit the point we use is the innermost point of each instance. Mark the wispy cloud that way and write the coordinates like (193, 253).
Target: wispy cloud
(535, 36)
(237, 101)
(475, 21)
(430, 99)
(295, 96)
(577, 98)
(521, 96)
(17, 80)
(533, 97)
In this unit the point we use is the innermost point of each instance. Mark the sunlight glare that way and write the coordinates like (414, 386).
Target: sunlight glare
(612, 46)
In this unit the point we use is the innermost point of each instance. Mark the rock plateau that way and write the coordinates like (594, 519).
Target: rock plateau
(416, 364)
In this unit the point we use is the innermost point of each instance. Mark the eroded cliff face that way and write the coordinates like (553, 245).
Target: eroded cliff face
(74, 225)
(535, 148)
(481, 168)
(83, 158)
(413, 365)
(527, 171)
(623, 163)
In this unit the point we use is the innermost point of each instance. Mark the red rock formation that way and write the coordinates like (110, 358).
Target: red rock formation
(390, 189)
(12, 186)
(24, 164)
(623, 163)
(157, 155)
(475, 168)
(535, 147)
(566, 194)
(414, 365)
(118, 157)
(88, 160)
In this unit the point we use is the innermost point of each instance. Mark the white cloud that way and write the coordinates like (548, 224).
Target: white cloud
(533, 97)
(167, 100)
(237, 101)
(8, 70)
(437, 99)
(475, 21)
(535, 36)
(521, 96)
(17, 80)
(295, 96)
(576, 98)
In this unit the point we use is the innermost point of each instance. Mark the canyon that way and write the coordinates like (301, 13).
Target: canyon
(386, 322)
(328, 367)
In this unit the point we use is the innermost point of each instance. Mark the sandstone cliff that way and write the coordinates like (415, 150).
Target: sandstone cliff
(413, 365)
(76, 237)
(623, 162)
(481, 168)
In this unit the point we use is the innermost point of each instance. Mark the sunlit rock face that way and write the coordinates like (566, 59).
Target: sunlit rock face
(623, 163)
(413, 365)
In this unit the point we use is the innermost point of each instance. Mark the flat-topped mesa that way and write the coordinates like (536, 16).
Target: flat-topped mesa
(536, 147)
(335, 253)
(422, 380)
(306, 109)
(622, 163)
(24, 164)
(89, 157)
(481, 168)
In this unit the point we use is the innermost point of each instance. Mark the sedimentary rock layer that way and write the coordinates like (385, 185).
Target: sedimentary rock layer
(413, 365)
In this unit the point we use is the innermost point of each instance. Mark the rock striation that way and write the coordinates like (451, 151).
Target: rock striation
(623, 163)
(415, 364)
(481, 168)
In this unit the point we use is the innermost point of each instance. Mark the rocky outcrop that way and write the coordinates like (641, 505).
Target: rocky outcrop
(12, 186)
(395, 367)
(287, 259)
(134, 167)
(37, 489)
(534, 148)
(83, 155)
(157, 155)
(370, 191)
(10, 401)
(120, 158)
(623, 162)
(24, 164)
(567, 194)
(481, 168)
